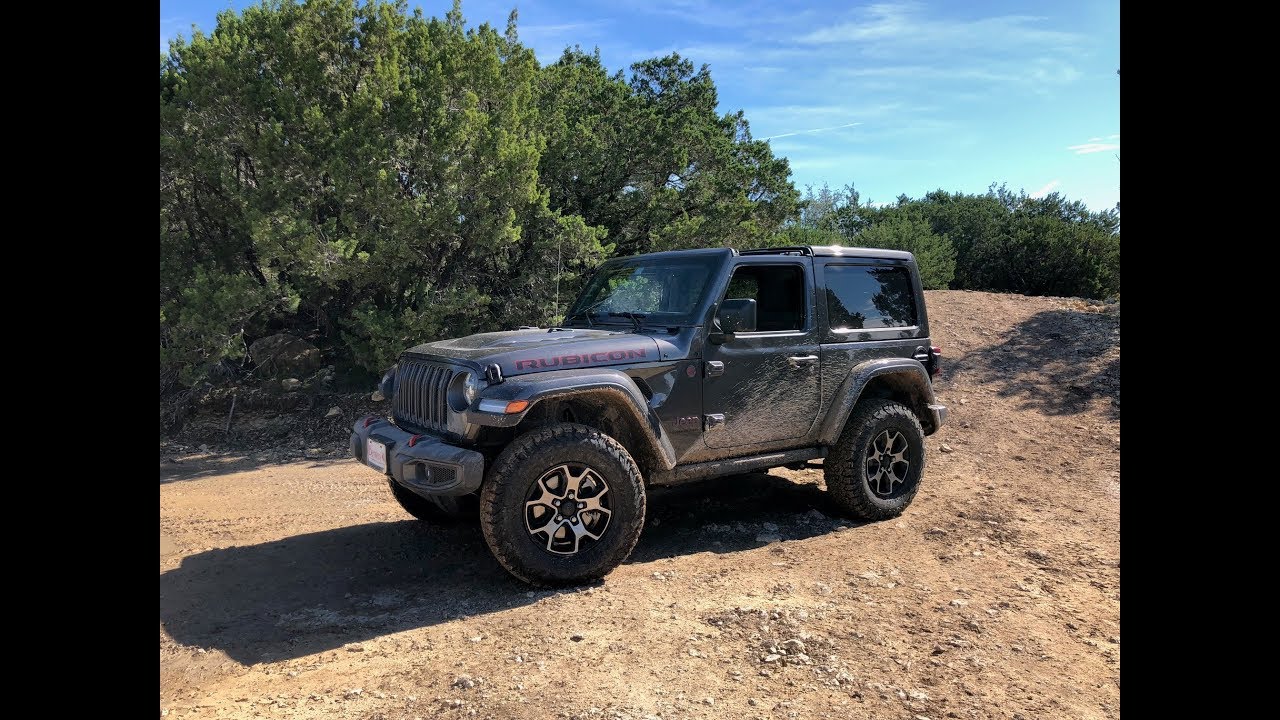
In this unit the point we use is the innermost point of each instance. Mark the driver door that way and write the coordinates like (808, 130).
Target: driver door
(764, 385)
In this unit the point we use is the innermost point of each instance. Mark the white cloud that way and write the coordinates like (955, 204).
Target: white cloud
(1037, 73)
(1048, 188)
(1051, 71)
(549, 41)
(722, 54)
(719, 14)
(810, 132)
(908, 25)
(826, 161)
(1096, 145)
(1093, 147)
(561, 28)
(783, 116)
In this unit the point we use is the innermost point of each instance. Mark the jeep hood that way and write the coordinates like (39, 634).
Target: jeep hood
(520, 352)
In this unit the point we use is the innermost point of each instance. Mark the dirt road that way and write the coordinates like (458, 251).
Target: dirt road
(301, 589)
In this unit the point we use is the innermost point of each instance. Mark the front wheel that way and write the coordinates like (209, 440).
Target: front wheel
(562, 504)
(874, 470)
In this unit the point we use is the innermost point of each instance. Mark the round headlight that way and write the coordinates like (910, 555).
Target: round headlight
(463, 390)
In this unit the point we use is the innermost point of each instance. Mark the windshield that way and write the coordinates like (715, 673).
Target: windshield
(655, 291)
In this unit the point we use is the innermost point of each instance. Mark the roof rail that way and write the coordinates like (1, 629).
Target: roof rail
(792, 250)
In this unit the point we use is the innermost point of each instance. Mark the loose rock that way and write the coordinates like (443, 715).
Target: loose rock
(285, 353)
(464, 682)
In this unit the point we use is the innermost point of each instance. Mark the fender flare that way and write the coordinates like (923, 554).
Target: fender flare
(913, 374)
(615, 384)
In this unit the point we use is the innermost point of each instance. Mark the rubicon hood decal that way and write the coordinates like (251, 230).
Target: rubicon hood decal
(585, 359)
(525, 351)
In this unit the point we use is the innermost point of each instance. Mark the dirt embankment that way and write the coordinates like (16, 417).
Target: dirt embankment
(294, 586)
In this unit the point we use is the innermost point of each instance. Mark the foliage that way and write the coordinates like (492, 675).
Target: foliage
(651, 161)
(371, 178)
(999, 240)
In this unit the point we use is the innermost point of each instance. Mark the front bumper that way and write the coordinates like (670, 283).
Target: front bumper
(430, 467)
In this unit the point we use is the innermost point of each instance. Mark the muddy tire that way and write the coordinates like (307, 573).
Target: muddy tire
(444, 511)
(874, 470)
(562, 504)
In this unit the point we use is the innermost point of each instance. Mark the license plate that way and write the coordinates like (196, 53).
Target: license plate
(375, 455)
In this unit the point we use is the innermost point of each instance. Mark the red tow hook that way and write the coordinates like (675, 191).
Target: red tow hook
(414, 440)
(370, 420)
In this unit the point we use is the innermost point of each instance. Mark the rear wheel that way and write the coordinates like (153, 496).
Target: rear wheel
(562, 504)
(441, 511)
(874, 470)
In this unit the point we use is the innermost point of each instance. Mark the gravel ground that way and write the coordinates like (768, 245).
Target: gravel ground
(292, 585)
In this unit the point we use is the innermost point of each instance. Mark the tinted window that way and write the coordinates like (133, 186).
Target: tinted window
(865, 298)
(778, 291)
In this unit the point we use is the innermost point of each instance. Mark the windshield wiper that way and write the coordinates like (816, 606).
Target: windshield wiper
(635, 317)
(586, 312)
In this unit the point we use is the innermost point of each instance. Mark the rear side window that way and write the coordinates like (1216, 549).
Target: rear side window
(864, 298)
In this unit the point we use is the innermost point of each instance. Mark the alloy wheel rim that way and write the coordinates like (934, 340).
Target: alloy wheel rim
(887, 462)
(567, 507)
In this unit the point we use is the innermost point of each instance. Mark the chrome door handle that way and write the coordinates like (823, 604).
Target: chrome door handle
(797, 361)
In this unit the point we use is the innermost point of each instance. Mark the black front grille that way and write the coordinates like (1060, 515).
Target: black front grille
(422, 394)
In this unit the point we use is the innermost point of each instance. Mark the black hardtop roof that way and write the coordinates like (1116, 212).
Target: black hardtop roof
(727, 252)
(832, 251)
(810, 250)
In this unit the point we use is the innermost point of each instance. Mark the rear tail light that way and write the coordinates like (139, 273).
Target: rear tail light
(937, 361)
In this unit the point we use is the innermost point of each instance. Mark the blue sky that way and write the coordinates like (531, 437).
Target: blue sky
(895, 97)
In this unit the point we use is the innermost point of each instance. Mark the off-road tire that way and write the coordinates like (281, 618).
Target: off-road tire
(513, 477)
(445, 511)
(845, 468)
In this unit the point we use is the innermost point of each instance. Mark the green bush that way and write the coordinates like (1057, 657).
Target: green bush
(370, 179)
(1000, 240)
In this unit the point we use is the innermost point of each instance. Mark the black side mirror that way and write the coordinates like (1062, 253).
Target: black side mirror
(734, 316)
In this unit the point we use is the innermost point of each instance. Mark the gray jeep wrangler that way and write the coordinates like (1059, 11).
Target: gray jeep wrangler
(668, 367)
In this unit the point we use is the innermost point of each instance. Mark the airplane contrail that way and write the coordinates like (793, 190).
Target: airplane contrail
(808, 132)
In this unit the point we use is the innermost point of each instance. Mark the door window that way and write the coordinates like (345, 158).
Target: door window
(779, 294)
